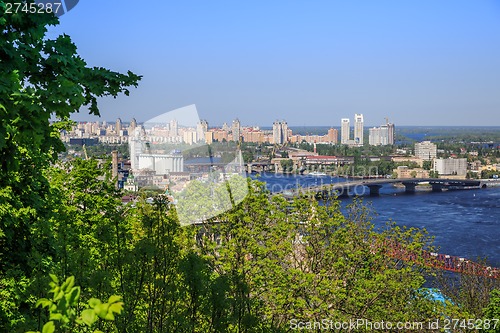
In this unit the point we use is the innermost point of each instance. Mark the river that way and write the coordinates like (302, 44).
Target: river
(465, 223)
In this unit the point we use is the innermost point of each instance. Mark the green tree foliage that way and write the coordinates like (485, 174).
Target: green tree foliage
(287, 165)
(63, 316)
(88, 224)
(492, 311)
(310, 262)
(470, 292)
(41, 79)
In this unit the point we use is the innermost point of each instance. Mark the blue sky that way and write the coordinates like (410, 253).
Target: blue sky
(418, 62)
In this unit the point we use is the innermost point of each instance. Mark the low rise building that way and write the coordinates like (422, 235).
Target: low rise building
(399, 159)
(450, 166)
(405, 172)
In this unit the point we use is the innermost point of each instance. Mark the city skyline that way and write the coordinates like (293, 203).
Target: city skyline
(418, 62)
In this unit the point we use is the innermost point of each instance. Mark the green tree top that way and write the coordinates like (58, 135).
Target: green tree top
(41, 79)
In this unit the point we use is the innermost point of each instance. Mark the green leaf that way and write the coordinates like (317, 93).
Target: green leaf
(68, 284)
(54, 278)
(114, 299)
(43, 302)
(56, 316)
(93, 302)
(116, 307)
(88, 317)
(73, 296)
(49, 327)
(109, 316)
(101, 310)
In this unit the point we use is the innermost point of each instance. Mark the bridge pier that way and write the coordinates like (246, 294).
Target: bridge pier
(409, 187)
(374, 189)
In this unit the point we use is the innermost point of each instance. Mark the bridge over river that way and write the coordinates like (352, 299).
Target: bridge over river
(373, 186)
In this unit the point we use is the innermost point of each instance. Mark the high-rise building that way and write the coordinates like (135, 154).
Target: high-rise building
(280, 132)
(133, 125)
(201, 129)
(174, 128)
(236, 128)
(378, 136)
(358, 129)
(426, 150)
(135, 146)
(345, 131)
(381, 136)
(391, 133)
(118, 126)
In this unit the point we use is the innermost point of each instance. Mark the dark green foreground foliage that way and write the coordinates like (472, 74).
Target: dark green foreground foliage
(40, 79)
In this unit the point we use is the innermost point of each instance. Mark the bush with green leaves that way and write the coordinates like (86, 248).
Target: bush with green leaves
(64, 304)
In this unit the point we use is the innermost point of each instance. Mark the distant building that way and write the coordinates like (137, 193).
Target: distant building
(133, 125)
(358, 129)
(391, 133)
(333, 135)
(280, 132)
(220, 135)
(118, 126)
(209, 137)
(236, 128)
(174, 127)
(404, 172)
(190, 136)
(162, 164)
(381, 136)
(408, 159)
(450, 166)
(135, 146)
(83, 141)
(345, 131)
(378, 136)
(201, 129)
(426, 150)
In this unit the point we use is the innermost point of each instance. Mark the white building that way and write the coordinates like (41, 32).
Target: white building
(381, 136)
(162, 164)
(426, 150)
(451, 166)
(345, 131)
(358, 129)
(378, 136)
(135, 147)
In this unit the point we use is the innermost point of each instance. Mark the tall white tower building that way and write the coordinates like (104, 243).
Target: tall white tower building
(358, 129)
(345, 131)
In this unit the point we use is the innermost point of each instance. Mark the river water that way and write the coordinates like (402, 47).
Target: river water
(465, 223)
